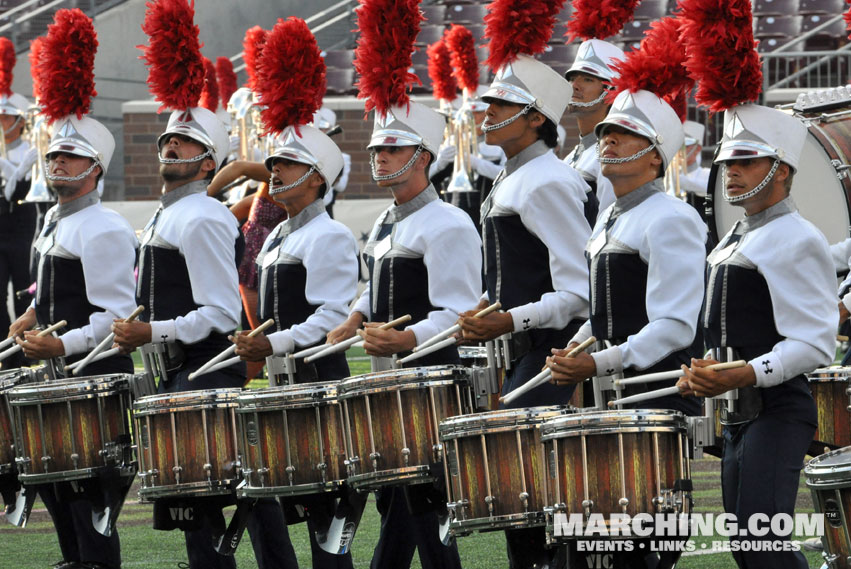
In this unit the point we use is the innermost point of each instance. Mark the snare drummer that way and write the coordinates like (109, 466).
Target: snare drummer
(86, 255)
(424, 259)
(308, 273)
(770, 298)
(646, 256)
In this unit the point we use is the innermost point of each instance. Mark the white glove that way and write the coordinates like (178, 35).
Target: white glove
(485, 168)
(24, 169)
(7, 170)
(445, 156)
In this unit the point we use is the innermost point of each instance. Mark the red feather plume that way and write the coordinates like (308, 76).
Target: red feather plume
(388, 29)
(847, 18)
(440, 70)
(7, 65)
(227, 79)
(462, 51)
(252, 47)
(173, 54)
(519, 27)
(66, 66)
(658, 65)
(290, 78)
(721, 51)
(36, 47)
(599, 18)
(210, 92)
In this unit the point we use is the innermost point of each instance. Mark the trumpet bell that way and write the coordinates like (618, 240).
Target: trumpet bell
(460, 182)
(39, 192)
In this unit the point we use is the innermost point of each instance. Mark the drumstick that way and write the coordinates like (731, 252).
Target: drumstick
(7, 342)
(228, 351)
(17, 347)
(456, 328)
(673, 390)
(217, 366)
(428, 350)
(545, 375)
(841, 338)
(310, 351)
(78, 367)
(673, 374)
(346, 344)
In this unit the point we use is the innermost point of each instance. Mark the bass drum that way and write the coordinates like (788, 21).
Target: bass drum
(821, 188)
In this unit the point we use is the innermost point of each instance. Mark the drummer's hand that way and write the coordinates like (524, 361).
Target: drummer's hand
(383, 343)
(843, 313)
(487, 327)
(252, 349)
(130, 335)
(25, 322)
(347, 329)
(567, 371)
(709, 383)
(40, 347)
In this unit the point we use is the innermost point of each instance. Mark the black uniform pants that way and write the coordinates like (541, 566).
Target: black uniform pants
(402, 532)
(14, 267)
(71, 510)
(760, 472)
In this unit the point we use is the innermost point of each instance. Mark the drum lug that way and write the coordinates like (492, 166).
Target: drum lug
(524, 498)
(406, 454)
(322, 467)
(176, 470)
(208, 468)
(75, 458)
(453, 508)
(624, 504)
(841, 169)
(45, 460)
(290, 472)
(22, 464)
(438, 449)
(587, 505)
(351, 465)
(374, 458)
(489, 500)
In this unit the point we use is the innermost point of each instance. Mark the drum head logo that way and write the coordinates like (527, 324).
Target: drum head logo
(832, 513)
(251, 433)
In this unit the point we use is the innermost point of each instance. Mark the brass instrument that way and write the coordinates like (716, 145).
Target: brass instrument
(676, 169)
(463, 134)
(39, 136)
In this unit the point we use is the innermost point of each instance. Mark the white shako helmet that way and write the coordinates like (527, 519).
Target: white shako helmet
(754, 131)
(694, 132)
(645, 114)
(14, 104)
(82, 137)
(312, 147)
(527, 81)
(595, 57)
(202, 126)
(324, 118)
(414, 125)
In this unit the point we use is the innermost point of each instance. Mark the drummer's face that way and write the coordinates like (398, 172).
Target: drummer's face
(741, 176)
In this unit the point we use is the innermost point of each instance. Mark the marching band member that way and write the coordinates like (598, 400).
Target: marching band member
(769, 298)
(86, 255)
(533, 228)
(325, 120)
(188, 274)
(646, 256)
(308, 267)
(591, 75)
(695, 181)
(18, 221)
(423, 257)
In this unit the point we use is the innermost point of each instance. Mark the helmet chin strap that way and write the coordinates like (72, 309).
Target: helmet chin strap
(207, 154)
(401, 171)
(585, 105)
(636, 156)
(753, 192)
(508, 121)
(76, 178)
(283, 188)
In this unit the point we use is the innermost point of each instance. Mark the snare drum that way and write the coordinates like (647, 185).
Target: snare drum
(8, 380)
(292, 440)
(829, 479)
(616, 462)
(830, 390)
(392, 418)
(187, 443)
(70, 429)
(496, 468)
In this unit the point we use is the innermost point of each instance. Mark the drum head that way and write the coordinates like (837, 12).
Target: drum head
(288, 397)
(492, 421)
(617, 421)
(394, 378)
(834, 373)
(831, 469)
(819, 194)
(68, 389)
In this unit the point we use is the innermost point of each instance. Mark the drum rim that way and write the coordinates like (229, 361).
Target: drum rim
(300, 395)
(817, 375)
(249, 491)
(23, 375)
(407, 375)
(183, 400)
(820, 474)
(357, 391)
(477, 423)
(62, 390)
(620, 420)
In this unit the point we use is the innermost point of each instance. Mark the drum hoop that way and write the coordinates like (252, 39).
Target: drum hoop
(16, 377)
(497, 421)
(289, 397)
(555, 433)
(139, 411)
(835, 373)
(358, 391)
(294, 490)
(407, 375)
(211, 488)
(187, 400)
(65, 390)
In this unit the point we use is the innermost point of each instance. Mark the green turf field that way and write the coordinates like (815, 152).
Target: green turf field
(35, 547)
